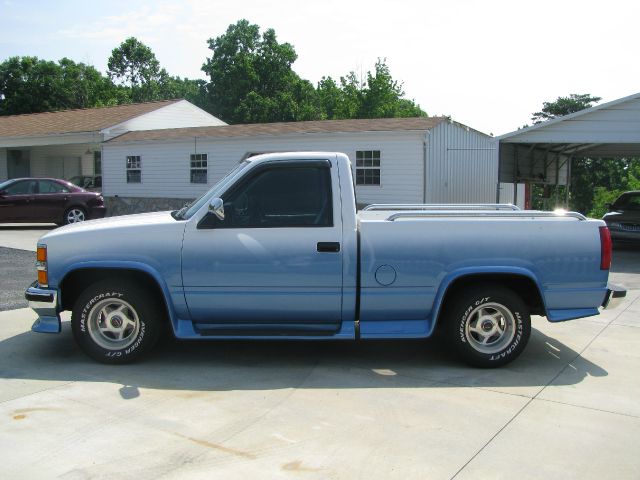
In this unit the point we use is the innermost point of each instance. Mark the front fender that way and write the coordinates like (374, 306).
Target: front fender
(169, 299)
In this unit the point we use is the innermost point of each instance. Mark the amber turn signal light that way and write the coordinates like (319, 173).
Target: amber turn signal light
(43, 278)
(41, 254)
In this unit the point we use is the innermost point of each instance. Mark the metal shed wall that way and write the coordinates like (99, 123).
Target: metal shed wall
(461, 165)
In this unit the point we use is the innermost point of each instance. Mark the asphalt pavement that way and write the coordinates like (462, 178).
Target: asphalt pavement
(18, 271)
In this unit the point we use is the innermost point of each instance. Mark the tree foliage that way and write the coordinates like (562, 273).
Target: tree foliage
(32, 85)
(252, 80)
(564, 106)
(134, 66)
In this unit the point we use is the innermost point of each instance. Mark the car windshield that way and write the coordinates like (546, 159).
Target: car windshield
(190, 209)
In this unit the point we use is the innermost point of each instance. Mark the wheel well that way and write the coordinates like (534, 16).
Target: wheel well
(77, 281)
(71, 207)
(525, 287)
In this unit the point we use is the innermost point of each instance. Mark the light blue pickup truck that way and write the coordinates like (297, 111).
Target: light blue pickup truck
(276, 250)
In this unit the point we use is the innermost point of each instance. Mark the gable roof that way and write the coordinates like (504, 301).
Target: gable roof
(283, 128)
(75, 121)
(571, 116)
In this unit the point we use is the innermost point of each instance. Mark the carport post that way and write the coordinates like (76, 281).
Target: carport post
(568, 182)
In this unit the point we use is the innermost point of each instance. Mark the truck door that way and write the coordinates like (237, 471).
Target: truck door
(273, 266)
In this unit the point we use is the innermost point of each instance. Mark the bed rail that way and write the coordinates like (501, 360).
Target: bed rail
(439, 206)
(485, 214)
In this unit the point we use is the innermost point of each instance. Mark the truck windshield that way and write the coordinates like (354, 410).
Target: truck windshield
(190, 209)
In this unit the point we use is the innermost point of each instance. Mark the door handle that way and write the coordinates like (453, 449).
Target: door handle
(329, 247)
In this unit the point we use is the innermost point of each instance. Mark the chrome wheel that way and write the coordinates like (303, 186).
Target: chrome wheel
(75, 215)
(490, 327)
(113, 324)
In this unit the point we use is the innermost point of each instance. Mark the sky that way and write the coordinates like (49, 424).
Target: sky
(488, 64)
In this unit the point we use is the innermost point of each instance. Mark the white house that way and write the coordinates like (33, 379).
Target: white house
(68, 143)
(396, 160)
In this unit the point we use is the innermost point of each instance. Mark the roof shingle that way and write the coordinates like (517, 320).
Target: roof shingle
(283, 128)
(74, 121)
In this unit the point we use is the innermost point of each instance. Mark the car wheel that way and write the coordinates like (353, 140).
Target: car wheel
(74, 215)
(487, 326)
(116, 322)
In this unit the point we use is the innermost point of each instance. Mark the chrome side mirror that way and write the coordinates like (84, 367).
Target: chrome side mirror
(216, 206)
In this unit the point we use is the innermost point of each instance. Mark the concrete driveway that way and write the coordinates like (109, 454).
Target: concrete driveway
(23, 236)
(568, 408)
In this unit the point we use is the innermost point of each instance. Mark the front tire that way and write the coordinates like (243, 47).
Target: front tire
(487, 326)
(116, 322)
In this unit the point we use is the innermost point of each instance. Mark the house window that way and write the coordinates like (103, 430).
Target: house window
(198, 168)
(368, 167)
(134, 169)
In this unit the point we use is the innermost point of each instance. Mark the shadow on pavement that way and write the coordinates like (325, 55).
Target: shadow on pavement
(255, 365)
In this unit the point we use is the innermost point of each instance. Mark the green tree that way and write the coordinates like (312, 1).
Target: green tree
(32, 85)
(564, 106)
(251, 79)
(135, 66)
(379, 96)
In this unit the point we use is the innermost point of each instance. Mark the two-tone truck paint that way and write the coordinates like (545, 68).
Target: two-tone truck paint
(277, 250)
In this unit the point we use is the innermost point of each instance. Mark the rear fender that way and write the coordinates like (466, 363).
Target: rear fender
(452, 277)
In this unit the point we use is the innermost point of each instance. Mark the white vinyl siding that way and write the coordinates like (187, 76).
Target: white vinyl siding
(166, 177)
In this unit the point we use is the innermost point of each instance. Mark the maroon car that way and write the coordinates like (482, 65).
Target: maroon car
(40, 200)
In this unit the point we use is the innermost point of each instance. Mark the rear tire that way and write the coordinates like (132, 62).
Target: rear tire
(488, 326)
(116, 322)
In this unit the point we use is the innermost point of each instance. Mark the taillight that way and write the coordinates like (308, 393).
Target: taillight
(605, 248)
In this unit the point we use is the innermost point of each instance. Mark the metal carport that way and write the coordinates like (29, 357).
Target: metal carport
(543, 153)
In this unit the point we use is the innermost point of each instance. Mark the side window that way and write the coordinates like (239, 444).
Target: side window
(47, 186)
(22, 188)
(281, 197)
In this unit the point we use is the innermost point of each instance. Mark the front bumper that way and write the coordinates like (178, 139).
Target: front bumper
(44, 302)
(614, 297)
